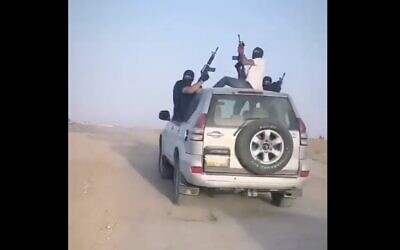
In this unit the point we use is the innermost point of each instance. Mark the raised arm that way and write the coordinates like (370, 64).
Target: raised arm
(195, 87)
(246, 61)
(243, 58)
(192, 89)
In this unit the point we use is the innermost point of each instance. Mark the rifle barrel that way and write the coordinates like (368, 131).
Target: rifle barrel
(212, 56)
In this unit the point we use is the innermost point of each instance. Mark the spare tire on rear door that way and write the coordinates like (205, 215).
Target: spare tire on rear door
(264, 147)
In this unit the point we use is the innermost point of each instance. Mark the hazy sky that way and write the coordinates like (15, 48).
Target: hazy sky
(126, 55)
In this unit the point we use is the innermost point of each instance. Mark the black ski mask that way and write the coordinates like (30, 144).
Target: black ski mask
(188, 76)
(257, 53)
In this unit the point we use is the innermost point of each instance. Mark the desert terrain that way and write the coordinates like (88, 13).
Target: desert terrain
(117, 200)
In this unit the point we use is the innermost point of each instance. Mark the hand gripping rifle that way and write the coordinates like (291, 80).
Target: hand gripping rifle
(239, 66)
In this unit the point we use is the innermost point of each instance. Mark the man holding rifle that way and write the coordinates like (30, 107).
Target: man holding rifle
(255, 71)
(184, 90)
(269, 85)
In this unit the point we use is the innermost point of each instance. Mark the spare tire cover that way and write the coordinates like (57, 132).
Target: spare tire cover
(264, 147)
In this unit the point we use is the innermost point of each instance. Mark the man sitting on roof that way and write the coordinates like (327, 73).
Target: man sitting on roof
(270, 86)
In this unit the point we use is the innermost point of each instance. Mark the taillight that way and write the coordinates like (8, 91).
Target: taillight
(304, 173)
(198, 132)
(196, 169)
(303, 133)
(201, 121)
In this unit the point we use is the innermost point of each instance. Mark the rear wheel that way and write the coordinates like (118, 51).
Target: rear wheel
(177, 183)
(210, 191)
(165, 169)
(279, 199)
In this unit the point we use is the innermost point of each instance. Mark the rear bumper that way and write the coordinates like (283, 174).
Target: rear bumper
(226, 181)
(235, 181)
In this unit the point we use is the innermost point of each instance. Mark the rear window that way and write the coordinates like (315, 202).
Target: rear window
(233, 110)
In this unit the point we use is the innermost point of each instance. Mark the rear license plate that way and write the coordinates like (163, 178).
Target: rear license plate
(216, 161)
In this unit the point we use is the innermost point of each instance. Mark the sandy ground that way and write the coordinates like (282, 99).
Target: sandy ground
(118, 201)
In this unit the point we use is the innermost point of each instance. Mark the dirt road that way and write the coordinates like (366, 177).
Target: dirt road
(118, 201)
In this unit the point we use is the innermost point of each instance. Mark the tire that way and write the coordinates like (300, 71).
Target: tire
(278, 199)
(210, 192)
(177, 197)
(164, 168)
(271, 140)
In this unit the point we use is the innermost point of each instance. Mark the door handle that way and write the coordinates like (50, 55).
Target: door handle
(216, 134)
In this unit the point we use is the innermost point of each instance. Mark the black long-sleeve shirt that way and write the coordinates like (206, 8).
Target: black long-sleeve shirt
(181, 101)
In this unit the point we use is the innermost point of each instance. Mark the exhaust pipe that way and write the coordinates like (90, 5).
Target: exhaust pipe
(252, 193)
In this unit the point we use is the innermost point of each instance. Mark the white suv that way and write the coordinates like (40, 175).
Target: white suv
(239, 139)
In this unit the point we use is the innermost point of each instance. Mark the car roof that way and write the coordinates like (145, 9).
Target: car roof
(235, 91)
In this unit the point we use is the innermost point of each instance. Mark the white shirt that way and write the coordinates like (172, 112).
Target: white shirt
(255, 73)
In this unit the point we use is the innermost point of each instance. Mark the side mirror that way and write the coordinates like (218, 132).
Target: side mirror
(164, 115)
